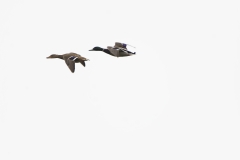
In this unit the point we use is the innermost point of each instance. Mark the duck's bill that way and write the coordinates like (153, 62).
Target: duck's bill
(91, 50)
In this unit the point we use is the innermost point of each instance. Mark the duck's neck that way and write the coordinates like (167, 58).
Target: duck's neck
(107, 51)
(58, 56)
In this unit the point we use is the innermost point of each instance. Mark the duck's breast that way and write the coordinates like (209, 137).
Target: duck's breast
(115, 52)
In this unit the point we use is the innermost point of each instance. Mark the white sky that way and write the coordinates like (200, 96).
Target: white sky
(178, 98)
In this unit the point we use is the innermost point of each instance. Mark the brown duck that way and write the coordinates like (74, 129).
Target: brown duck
(71, 59)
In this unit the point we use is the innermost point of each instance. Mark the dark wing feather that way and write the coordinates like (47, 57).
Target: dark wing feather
(82, 62)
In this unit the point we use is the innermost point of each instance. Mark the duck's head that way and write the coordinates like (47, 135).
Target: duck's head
(96, 49)
(56, 56)
(53, 56)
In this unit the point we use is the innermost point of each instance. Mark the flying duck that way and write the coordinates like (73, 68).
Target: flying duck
(119, 50)
(70, 59)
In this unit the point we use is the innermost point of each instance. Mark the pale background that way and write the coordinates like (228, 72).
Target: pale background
(178, 98)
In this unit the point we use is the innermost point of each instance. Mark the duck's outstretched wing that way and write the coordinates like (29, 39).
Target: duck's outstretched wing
(71, 63)
(123, 50)
(120, 45)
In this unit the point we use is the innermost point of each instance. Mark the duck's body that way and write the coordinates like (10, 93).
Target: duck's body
(119, 50)
(71, 59)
